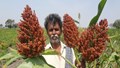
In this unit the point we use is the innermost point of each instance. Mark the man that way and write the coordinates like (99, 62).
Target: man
(53, 25)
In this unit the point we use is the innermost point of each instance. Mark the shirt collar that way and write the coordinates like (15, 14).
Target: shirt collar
(63, 46)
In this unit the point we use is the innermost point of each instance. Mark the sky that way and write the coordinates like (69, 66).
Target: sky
(12, 9)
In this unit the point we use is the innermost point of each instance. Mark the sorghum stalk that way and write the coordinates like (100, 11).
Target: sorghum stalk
(70, 31)
(93, 41)
(30, 35)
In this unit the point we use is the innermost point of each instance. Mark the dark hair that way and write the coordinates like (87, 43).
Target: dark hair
(53, 18)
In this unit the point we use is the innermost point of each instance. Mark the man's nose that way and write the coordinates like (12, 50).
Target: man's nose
(54, 31)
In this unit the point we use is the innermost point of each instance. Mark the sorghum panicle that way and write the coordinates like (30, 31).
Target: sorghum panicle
(30, 35)
(70, 31)
(93, 41)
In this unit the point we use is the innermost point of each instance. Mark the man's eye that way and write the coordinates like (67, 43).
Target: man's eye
(56, 29)
(50, 29)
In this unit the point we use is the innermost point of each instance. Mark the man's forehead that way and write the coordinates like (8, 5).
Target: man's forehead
(53, 24)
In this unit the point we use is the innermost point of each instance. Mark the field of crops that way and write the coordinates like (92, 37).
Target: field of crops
(109, 59)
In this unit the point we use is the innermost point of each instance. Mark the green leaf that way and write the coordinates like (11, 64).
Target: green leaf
(100, 9)
(26, 65)
(114, 56)
(13, 53)
(76, 21)
(12, 56)
(114, 36)
(10, 61)
(7, 56)
(36, 62)
(117, 58)
(49, 52)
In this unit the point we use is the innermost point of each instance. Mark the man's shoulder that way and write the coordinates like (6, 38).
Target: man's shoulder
(62, 44)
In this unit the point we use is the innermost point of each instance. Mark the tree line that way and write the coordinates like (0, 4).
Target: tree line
(10, 23)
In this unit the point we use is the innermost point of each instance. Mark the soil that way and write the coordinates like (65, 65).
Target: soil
(16, 63)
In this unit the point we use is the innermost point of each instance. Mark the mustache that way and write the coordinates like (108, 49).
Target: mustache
(54, 36)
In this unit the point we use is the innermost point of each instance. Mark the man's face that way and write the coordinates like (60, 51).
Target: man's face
(54, 33)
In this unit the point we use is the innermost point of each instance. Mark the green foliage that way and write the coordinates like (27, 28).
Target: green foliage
(46, 36)
(10, 57)
(100, 9)
(114, 35)
(112, 52)
(8, 38)
(116, 24)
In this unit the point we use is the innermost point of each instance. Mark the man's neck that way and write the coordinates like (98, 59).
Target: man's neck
(56, 47)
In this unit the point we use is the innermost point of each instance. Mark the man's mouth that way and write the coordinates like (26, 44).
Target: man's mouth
(54, 37)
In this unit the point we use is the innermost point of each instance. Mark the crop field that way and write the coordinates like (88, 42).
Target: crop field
(108, 59)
